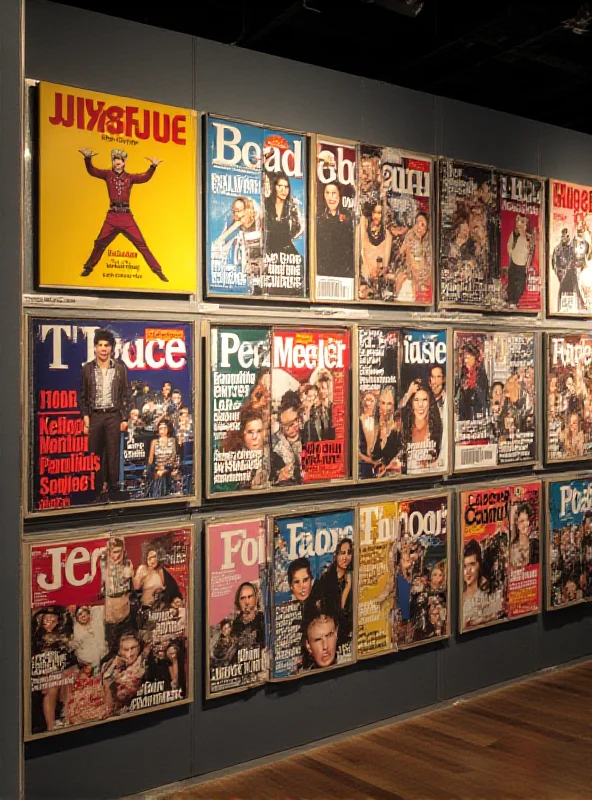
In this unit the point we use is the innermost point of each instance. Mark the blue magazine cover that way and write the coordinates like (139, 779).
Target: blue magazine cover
(314, 593)
(256, 208)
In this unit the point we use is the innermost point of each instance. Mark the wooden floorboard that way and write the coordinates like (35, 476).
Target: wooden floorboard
(532, 740)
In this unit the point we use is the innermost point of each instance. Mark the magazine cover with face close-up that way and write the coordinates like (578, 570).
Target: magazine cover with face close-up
(314, 593)
(402, 402)
(499, 554)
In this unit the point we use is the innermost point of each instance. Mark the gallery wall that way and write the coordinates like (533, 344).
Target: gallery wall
(70, 46)
(10, 444)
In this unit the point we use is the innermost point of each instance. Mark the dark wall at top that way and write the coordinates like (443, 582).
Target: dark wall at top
(79, 48)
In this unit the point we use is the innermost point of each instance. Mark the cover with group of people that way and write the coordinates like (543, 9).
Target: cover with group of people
(111, 412)
(491, 226)
(110, 626)
(569, 397)
(293, 594)
(402, 402)
(495, 399)
(404, 573)
(570, 542)
(279, 407)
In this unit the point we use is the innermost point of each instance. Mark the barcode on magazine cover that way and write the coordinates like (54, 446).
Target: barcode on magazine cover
(472, 457)
(330, 289)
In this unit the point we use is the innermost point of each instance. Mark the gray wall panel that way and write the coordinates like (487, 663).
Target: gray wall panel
(94, 51)
(566, 155)
(71, 46)
(489, 656)
(567, 633)
(295, 712)
(112, 760)
(472, 133)
(10, 444)
(253, 86)
(399, 117)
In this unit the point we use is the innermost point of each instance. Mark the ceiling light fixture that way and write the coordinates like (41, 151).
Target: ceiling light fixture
(580, 24)
(409, 8)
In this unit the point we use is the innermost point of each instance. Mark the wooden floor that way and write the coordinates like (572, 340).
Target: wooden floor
(531, 740)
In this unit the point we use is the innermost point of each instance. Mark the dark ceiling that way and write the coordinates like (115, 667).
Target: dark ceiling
(526, 57)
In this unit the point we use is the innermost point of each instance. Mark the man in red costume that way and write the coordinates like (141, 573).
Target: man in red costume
(119, 218)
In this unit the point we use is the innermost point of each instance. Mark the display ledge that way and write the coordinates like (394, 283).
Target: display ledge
(191, 305)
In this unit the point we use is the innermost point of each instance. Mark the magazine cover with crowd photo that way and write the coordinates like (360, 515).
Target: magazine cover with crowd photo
(237, 605)
(109, 618)
(420, 571)
(569, 397)
(569, 541)
(310, 406)
(110, 412)
(522, 225)
(378, 531)
(314, 593)
(238, 435)
(395, 224)
(117, 193)
(469, 273)
(335, 212)
(500, 572)
(569, 253)
(256, 211)
(495, 399)
(402, 402)
(279, 408)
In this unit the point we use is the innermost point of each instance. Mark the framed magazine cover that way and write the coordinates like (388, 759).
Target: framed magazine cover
(256, 211)
(314, 590)
(496, 398)
(491, 239)
(108, 624)
(568, 396)
(569, 255)
(132, 445)
(334, 191)
(129, 167)
(568, 545)
(278, 416)
(499, 552)
(404, 571)
(395, 227)
(237, 604)
(403, 388)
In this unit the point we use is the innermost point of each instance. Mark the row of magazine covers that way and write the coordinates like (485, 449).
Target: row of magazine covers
(288, 216)
(288, 593)
(112, 406)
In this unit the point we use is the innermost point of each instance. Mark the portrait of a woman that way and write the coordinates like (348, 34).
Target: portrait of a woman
(521, 247)
(422, 429)
(163, 459)
(282, 218)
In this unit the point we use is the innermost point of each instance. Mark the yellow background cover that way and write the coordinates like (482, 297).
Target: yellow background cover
(73, 204)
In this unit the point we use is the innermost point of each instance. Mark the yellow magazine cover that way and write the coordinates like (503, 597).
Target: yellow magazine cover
(117, 193)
